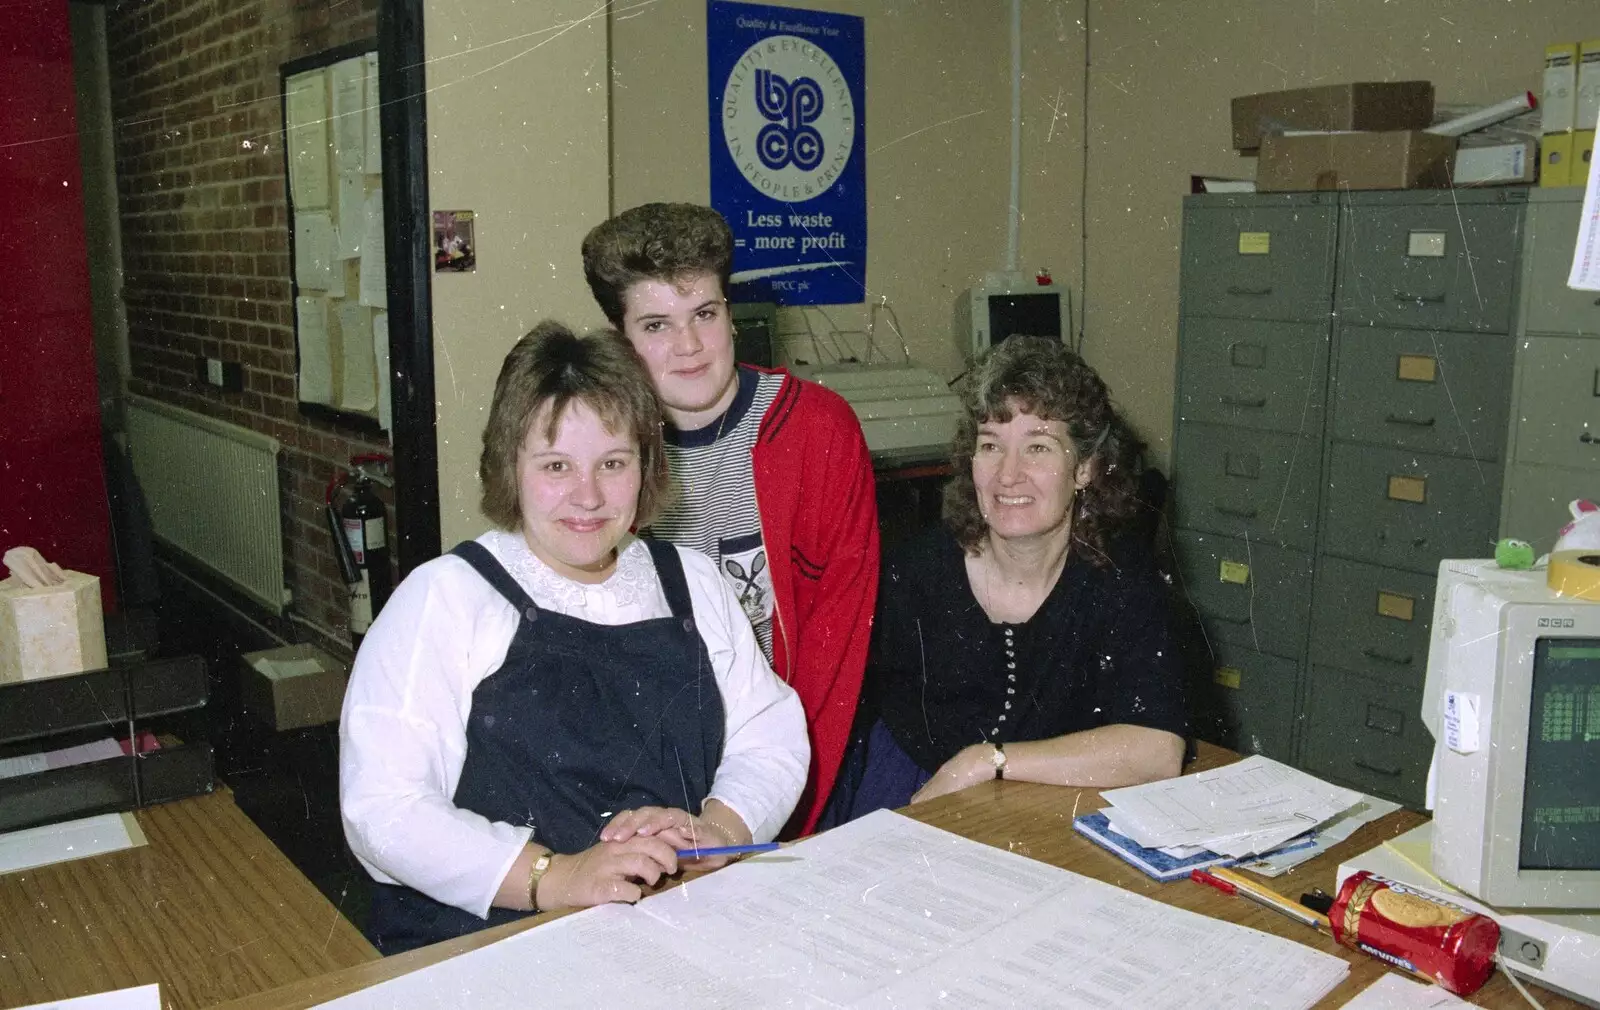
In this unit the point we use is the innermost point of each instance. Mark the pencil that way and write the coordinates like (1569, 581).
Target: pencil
(1231, 882)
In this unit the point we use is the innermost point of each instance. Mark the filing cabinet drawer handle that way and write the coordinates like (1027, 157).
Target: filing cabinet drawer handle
(1386, 657)
(1241, 401)
(1402, 296)
(1234, 289)
(1237, 513)
(1588, 439)
(1224, 618)
(1415, 422)
(1418, 541)
(1393, 771)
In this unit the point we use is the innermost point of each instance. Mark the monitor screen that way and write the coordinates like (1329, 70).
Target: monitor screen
(1032, 315)
(1561, 789)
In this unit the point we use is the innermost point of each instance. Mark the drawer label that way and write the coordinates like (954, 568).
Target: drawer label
(1228, 676)
(1236, 572)
(1385, 719)
(1425, 243)
(1241, 464)
(1417, 368)
(1403, 487)
(1255, 243)
(1247, 355)
(1396, 605)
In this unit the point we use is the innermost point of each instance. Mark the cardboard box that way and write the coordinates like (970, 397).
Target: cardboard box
(1582, 158)
(1396, 159)
(1555, 160)
(293, 687)
(52, 631)
(1400, 105)
(1588, 102)
(1559, 105)
(1497, 164)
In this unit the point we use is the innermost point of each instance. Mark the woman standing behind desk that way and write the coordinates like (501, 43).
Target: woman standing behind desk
(1026, 640)
(542, 717)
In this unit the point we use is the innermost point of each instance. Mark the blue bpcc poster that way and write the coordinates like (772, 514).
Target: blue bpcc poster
(788, 153)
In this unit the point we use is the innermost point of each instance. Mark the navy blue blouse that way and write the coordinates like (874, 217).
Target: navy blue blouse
(1098, 652)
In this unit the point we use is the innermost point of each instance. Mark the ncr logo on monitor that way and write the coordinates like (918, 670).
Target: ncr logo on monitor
(1555, 622)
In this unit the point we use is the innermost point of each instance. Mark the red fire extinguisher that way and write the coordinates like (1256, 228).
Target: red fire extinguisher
(360, 540)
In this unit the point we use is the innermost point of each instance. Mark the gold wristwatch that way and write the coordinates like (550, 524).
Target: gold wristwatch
(999, 759)
(535, 874)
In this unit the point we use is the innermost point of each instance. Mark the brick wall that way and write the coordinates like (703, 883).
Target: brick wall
(205, 240)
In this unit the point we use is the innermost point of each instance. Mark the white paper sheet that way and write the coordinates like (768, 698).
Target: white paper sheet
(306, 105)
(145, 997)
(374, 159)
(349, 81)
(1250, 806)
(314, 243)
(374, 275)
(358, 380)
(352, 214)
(1329, 834)
(316, 360)
(1585, 274)
(1395, 992)
(380, 355)
(60, 843)
(29, 764)
(883, 912)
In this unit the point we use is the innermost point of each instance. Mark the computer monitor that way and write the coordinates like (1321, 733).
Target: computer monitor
(1006, 304)
(1512, 698)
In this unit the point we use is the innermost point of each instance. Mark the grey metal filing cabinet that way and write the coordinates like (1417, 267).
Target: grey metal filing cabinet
(1344, 383)
(1554, 423)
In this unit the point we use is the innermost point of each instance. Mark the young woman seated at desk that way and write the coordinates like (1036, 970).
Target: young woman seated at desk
(1026, 640)
(543, 717)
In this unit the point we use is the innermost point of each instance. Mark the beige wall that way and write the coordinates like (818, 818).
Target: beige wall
(517, 133)
(1162, 72)
(937, 141)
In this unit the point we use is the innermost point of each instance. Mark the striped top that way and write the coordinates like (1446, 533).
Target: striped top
(713, 509)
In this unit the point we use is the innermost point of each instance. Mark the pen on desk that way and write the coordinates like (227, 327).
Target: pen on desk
(727, 850)
(1229, 882)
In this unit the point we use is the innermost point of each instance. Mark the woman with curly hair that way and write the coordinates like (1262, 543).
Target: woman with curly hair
(1029, 639)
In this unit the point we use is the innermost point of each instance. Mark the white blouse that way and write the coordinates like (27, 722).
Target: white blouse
(403, 732)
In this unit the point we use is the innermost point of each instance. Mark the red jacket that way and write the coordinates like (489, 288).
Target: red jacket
(817, 498)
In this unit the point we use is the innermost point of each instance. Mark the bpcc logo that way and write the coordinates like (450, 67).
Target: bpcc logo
(788, 118)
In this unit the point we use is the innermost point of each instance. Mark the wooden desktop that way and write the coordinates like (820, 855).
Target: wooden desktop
(1034, 821)
(209, 908)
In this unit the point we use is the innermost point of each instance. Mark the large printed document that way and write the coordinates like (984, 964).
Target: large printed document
(883, 912)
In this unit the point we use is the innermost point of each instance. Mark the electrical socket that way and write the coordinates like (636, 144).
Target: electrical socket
(227, 376)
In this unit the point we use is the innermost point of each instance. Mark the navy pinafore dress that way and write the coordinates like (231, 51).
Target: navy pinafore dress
(580, 722)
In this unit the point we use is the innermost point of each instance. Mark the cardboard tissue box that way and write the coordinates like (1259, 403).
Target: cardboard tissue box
(293, 687)
(1398, 159)
(51, 631)
(1398, 105)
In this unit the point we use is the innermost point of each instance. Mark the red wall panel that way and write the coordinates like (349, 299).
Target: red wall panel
(52, 480)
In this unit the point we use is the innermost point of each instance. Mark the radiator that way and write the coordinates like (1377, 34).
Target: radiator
(212, 492)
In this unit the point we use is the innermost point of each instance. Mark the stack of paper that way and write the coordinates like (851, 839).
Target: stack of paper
(1250, 807)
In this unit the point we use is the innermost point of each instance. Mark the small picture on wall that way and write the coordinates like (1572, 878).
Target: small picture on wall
(453, 247)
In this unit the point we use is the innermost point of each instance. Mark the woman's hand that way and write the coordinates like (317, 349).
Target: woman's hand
(606, 872)
(717, 826)
(970, 766)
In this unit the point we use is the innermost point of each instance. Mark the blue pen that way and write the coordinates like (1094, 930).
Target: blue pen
(727, 850)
